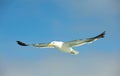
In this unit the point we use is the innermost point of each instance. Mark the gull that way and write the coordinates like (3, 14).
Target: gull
(65, 47)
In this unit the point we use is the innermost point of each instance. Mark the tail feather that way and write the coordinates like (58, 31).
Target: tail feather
(21, 43)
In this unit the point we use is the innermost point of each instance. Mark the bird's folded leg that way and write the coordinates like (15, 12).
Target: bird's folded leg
(74, 52)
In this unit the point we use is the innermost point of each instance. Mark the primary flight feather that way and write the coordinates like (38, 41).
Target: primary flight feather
(65, 46)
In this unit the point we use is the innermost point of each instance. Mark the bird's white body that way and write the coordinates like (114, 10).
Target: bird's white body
(62, 47)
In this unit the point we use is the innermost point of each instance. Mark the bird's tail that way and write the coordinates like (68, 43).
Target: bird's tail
(22, 44)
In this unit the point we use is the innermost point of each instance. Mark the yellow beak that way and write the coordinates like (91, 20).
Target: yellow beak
(49, 45)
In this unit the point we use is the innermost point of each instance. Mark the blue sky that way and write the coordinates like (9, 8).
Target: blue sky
(42, 21)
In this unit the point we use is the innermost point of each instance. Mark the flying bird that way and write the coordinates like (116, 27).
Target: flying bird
(65, 46)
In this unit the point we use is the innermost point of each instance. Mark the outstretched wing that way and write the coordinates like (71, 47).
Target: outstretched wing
(40, 45)
(84, 41)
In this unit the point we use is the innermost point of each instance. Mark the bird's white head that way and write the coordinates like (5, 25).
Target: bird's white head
(56, 44)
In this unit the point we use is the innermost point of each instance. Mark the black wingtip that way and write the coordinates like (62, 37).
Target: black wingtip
(21, 43)
(101, 35)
